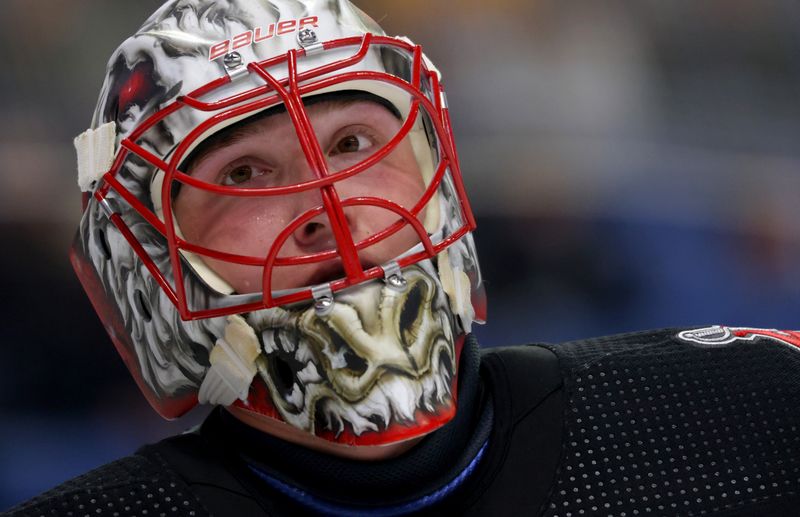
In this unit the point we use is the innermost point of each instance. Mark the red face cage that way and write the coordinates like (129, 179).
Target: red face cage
(290, 92)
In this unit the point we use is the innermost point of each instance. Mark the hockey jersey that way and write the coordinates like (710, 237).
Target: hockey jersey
(670, 422)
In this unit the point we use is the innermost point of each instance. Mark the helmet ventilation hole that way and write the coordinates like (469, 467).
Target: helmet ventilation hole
(142, 305)
(102, 242)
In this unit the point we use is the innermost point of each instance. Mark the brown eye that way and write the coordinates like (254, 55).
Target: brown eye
(238, 175)
(348, 144)
(351, 144)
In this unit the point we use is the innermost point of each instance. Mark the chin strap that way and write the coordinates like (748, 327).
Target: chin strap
(233, 364)
(96, 150)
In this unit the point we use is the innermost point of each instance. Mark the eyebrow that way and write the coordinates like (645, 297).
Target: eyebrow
(226, 138)
(244, 128)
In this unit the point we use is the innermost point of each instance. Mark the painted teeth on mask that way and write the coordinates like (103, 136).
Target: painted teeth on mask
(377, 410)
(268, 341)
(296, 397)
(337, 413)
(309, 374)
(442, 375)
(375, 407)
(405, 394)
(292, 368)
(290, 360)
(303, 353)
(287, 343)
(447, 367)
(428, 393)
(436, 385)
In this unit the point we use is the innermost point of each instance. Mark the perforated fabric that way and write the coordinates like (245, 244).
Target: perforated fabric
(659, 426)
(638, 424)
(129, 486)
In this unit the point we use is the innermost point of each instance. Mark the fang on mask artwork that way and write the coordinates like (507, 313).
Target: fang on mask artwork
(355, 369)
(283, 229)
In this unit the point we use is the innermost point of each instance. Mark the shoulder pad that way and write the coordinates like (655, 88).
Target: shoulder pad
(531, 370)
(133, 485)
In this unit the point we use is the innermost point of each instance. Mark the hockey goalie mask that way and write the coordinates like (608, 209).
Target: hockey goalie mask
(275, 218)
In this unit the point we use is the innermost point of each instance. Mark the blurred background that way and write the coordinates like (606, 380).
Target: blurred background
(632, 164)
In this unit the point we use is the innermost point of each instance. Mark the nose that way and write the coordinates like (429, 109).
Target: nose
(316, 234)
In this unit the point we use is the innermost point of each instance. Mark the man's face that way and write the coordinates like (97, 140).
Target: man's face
(266, 153)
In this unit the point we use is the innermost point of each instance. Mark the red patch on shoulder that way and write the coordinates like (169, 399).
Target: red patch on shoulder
(720, 335)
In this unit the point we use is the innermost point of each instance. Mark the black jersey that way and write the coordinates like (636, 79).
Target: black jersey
(671, 422)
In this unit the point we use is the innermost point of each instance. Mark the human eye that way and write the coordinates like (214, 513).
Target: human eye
(352, 140)
(243, 175)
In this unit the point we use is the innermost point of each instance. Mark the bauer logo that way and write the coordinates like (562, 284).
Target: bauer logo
(259, 34)
(720, 335)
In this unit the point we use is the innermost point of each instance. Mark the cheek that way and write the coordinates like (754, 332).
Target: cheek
(400, 184)
(396, 178)
(238, 226)
(246, 227)
(406, 178)
(398, 187)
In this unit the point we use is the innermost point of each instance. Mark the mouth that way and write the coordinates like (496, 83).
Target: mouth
(334, 271)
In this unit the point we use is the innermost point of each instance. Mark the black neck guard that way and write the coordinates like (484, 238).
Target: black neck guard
(438, 459)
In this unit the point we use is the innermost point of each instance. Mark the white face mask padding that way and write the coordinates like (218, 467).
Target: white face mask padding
(96, 151)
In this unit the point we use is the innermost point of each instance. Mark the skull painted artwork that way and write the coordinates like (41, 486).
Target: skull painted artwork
(353, 369)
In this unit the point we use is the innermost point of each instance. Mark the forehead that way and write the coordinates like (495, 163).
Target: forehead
(336, 102)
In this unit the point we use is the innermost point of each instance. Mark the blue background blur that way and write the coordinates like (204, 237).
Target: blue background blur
(632, 164)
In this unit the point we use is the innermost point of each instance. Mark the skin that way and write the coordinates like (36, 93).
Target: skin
(266, 152)
(269, 154)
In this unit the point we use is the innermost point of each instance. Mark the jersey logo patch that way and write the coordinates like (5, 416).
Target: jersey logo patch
(720, 335)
